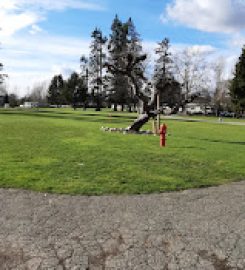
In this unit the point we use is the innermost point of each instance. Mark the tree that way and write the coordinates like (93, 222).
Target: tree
(6, 99)
(219, 85)
(75, 90)
(13, 100)
(55, 90)
(165, 83)
(3, 93)
(124, 40)
(135, 76)
(192, 71)
(3, 96)
(221, 96)
(69, 88)
(83, 92)
(119, 86)
(96, 61)
(237, 87)
(134, 46)
(38, 93)
(2, 75)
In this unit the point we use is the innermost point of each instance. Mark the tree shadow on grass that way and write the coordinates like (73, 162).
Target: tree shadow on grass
(84, 113)
(218, 141)
(223, 141)
(187, 147)
(185, 120)
(88, 117)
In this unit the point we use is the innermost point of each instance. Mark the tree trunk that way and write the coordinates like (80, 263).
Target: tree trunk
(143, 119)
(115, 107)
(129, 108)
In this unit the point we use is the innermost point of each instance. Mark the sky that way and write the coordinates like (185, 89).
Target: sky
(41, 38)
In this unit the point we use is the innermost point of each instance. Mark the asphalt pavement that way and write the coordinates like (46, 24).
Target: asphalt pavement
(193, 229)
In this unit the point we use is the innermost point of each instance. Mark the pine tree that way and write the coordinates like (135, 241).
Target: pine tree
(117, 47)
(76, 90)
(82, 95)
(6, 98)
(96, 61)
(124, 40)
(71, 84)
(2, 75)
(135, 49)
(55, 90)
(237, 87)
(167, 87)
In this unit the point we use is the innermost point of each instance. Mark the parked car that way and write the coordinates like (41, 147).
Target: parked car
(166, 110)
(192, 109)
(208, 110)
(227, 114)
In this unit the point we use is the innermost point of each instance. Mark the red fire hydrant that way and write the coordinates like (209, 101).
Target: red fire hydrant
(163, 132)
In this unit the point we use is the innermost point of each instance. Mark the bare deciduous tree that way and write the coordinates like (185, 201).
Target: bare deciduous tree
(220, 84)
(38, 92)
(191, 70)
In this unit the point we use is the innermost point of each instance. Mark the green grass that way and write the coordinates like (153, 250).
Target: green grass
(212, 118)
(59, 150)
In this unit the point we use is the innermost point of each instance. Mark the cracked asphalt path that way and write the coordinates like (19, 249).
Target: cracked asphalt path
(194, 229)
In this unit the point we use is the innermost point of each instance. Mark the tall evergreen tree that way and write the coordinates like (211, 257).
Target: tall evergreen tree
(237, 87)
(2, 75)
(6, 99)
(168, 88)
(134, 42)
(135, 49)
(124, 40)
(118, 49)
(83, 93)
(96, 61)
(72, 84)
(75, 91)
(55, 90)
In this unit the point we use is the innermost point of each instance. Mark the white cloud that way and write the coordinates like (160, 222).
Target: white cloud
(40, 60)
(226, 16)
(35, 29)
(34, 55)
(204, 50)
(64, 4)
(50, 4)
(238, 40)
(12, 22)
(20, 14)
(7, 4)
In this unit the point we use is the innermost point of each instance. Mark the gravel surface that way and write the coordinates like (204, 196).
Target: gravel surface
(194, 229)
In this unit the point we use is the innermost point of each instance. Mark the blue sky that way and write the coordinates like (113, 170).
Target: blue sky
(40, 38)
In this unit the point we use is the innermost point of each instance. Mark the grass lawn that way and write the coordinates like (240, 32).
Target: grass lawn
(59, 150)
